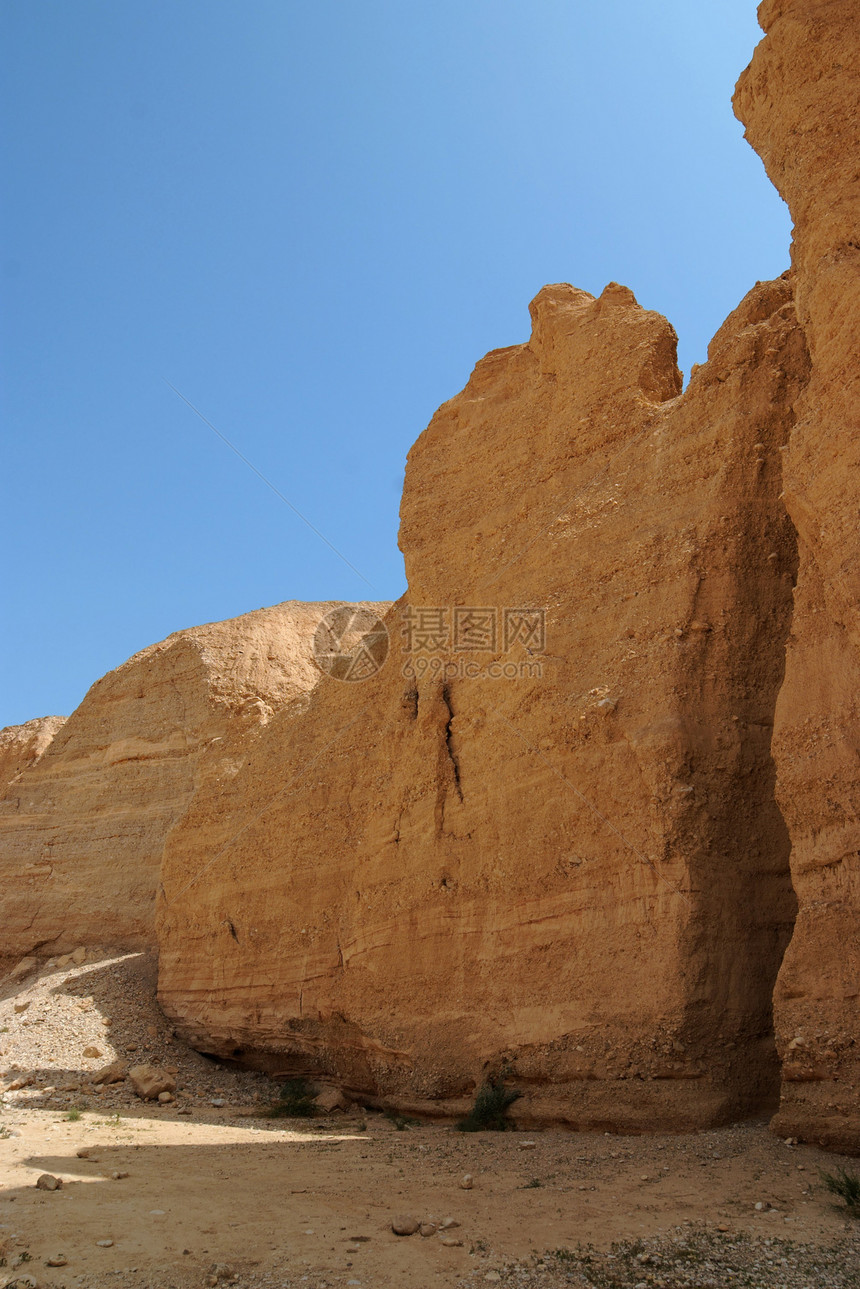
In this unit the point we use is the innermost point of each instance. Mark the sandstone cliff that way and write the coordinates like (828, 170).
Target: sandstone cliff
(575, 872)
(564, 829)
(800, 102)
(82, 829)
(22, 745)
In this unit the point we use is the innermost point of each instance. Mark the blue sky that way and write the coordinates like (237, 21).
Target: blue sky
(313, 219)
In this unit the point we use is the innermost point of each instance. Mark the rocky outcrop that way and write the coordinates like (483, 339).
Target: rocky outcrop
(22, 745)
(82, 829)
(553, 855)
(799, 102)
(585, 812)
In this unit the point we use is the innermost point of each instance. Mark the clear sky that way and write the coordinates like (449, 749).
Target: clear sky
(313, 219)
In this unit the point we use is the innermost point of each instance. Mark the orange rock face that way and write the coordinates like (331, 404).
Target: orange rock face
(22, 745)
(799, 102)
(588, 816)
(561, 856)
(82, 829)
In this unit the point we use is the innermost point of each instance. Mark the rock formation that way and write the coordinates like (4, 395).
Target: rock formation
(22, 745)
(83, 827)
(573, 871)
(591, 823)
(799, 102)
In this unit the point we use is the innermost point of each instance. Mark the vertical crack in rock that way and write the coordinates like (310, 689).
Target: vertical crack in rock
(410, 702)
(745, 900)
(449, 747)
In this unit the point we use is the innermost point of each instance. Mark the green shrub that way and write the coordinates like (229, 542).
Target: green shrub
(488, 1114)
(295, 1101)
(847, 1186)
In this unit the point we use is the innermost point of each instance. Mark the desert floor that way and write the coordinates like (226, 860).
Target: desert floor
(219, 1195)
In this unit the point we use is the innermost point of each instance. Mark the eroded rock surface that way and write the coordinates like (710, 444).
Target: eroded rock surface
(799, 101)
(563, 836)
(82, 830)
(22, 745)
(574, 872)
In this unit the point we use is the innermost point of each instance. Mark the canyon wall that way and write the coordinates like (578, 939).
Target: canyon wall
(800, 102)
(22, 745)
(592, 822)
(82, 827)
(555, 851)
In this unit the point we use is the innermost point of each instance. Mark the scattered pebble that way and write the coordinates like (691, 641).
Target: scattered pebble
(404, 1225)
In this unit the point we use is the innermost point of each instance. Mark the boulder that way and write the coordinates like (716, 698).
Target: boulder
(149, 1082)
(330, 1100)
(113, 1073)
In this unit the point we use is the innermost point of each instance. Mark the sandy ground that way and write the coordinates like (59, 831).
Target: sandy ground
(222, 1194)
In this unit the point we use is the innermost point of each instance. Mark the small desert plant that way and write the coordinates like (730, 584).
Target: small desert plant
(74, 1115)
(295, 1101)
(847, 1186)
(533, 1184)
(492, 1102)
(402, 1122)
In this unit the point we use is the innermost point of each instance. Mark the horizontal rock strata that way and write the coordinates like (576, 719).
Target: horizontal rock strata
(82, 830)
(576, 872)
(22, 745)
